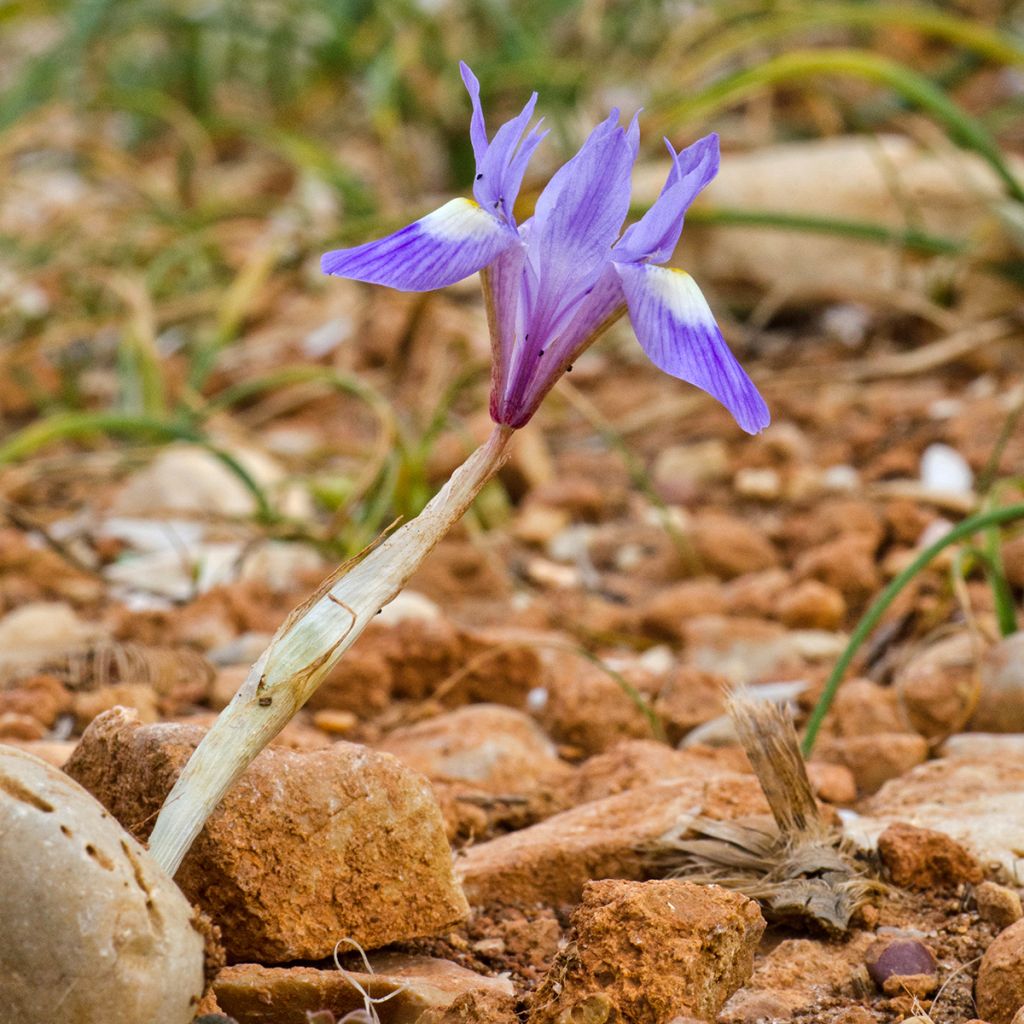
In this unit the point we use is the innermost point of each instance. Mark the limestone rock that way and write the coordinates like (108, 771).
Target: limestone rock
(93, 931)
(979, 801)
(646, 952)
(428, 991)
(305, 848)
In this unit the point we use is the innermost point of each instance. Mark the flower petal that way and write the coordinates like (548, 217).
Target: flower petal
(444, 247)
(500, 163)
(655, 235)
(477, 127)
(599, 309)
(677, 330)
(578, 217)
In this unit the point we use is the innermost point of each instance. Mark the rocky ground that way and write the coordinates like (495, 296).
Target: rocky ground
(484, 794)
(490, 795)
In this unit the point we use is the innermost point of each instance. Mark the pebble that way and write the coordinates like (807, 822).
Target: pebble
(305, 848)
(489, 746)
(898, 966)
(730, 547)
(646, 952)
(187, 478)
(925, 860)
(998, 904)
(945, 470)
(999, 990)
(93, 931)
(939, 687)
(875, 759)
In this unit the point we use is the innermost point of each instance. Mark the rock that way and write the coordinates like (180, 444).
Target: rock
(689, 697)
(54, 752)
(832, 783)
(812, 605)
(360, 683)
(635, 763)
(758, 484)
(874, 760)
(43, 697)
(304, 849)
(866, 180)
(744, 650)
(408, 606)
(924, 860)
(665, 614)
(846, 564)
(946, 471)
(899, 965)
(41, 628)
(645, 952)
(863, 708)
(187, 478)
(485, 665)
(139, 697)
(974, 746)
(977, 801)
(1000, 705)
(799, 978)
(998, 904)
(93, 931)
(938, 689)
(422, 989)
(24, 728)
(582, 705)
(756, 595)
(680, 472)
(551, 861)
(490, 765)
(729, 547)
(999, 990)
(492, 747)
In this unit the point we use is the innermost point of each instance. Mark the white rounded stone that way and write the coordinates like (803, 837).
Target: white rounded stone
(91, 930)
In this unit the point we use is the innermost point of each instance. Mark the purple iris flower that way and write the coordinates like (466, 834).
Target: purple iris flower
(557, 281)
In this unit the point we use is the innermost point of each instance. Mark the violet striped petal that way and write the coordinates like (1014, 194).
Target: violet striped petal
(601, 307)
(500, 162)
(655, 235)
(577, 219)
(677, 330)
(447, 245)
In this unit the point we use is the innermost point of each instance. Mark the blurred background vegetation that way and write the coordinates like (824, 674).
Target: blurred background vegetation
(173, 170)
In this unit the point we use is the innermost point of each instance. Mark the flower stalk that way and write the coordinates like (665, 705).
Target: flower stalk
(303, 651)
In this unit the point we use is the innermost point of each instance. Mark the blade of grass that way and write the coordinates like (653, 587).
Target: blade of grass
(79, 426)
(964, 129)
(986, 42)
(968, 527)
